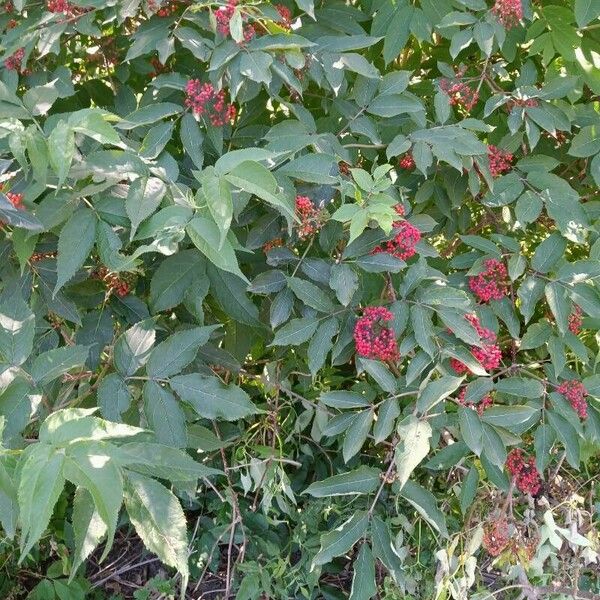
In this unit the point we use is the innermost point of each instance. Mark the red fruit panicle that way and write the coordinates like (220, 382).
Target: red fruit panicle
(274, 243)
(407, 162)
(496, 536)
(488, 355)
(574, 391)
(223, 16)
(373, 338)
(500, 161)
(508, 12)
(404, 243)
(16, 200)
(460, 94)
(491, 283)
(479, 406)
(204, 100)
(524, 472)
(285, 16)
(14, 61)
(576, 320)
(310, 217)
(114, 283)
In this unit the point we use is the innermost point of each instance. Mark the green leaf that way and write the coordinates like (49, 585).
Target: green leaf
(493, 446)
(344, 399)
(586, 11)
(162, 461)
(91, 466)
(256, 66)
(364, 583)
(320, 344)
(311, 295)
(471, 428)
(296, 332)
(437, 390)
(165, 415)
(567, 435)
(88, 528)
(52, 364)
(344, 282)
(363, 480)
(75, 242)
(113, 397)
(556, 296)
(386, 419)
(61, 148)
(206, 236)
(177, 352)
(425, 503)
(586, 142)
(383, 548)
(340, 540)
(520, 387)
(509, 415)
(211, 399)
(143, 198)
(217, 194)
(17, 330)
(132, 349)
(40, 485)
(192, 139)
(255, 179)
(173, 278)
(548, 253)
(159, 520)
(421, 319)
(397, 32)
(468, 490)
(356, 434)
(414, 436)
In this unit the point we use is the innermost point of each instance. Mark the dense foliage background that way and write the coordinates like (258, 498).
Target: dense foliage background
(299, 300)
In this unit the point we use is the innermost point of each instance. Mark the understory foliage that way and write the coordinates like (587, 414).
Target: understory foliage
(301, 296)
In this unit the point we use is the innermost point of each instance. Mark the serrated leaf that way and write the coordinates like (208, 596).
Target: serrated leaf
(363, 480)
(340, 540)
(75, 242)
(211, 399)
(159, 520)
(52, 364)
(414, 437)
(132, 349)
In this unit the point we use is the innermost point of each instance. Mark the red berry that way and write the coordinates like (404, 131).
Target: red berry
(524, 472)
(576, 320)
(500, 161)
(574, 391)
(508, 12)
(204, 100)
(373, 338)
(490, 284)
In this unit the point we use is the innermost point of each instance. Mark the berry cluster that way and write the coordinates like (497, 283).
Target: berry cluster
(480, 406)
(522, 103)
(310, 217)
(459, 94)
(404, 243)
(59, 6)
(163, 10)
(496, 536)
(204, 100)
(15, 199)
(500, 160)
(489, 355)
(407, 162)
(373, 338)
(158, 67)
(574, 391)
(13, 62)
(286, 16)
(275, 243)
(223, 17)
(37, 256)
(8, 7)
(524, 472)
(344, 168)
(491, 283)
(114, 283)
(508, 12)
(576, 320)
